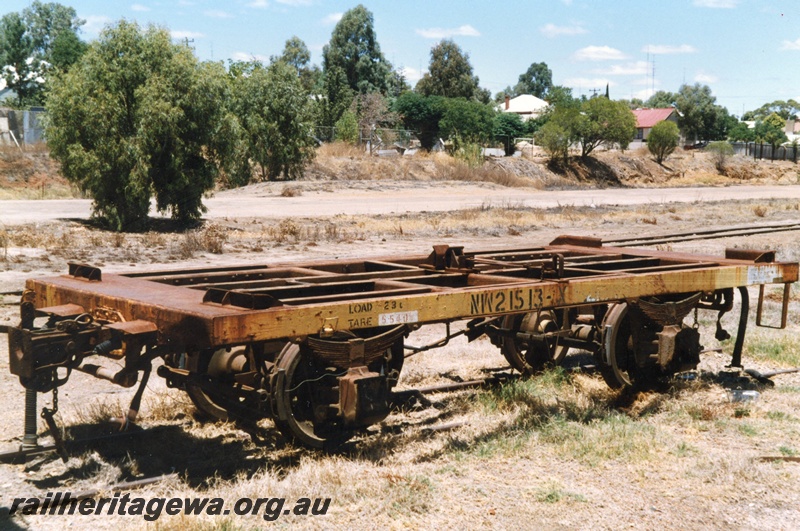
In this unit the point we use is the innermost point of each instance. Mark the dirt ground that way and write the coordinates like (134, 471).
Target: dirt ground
(558, 451)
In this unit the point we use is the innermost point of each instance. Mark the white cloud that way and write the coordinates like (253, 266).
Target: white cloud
(333, 18)
(718, 4)
(644, 94)
(791, 45)
(445, 33)
(216, 13)
(412, 75)
(244, 56)
(668, 49)
(180, 35)
(258, 4)
(295, 2)
(638, 68)
(95, 24)
(705, 78)
(599, 53)
(551, 30)
(139, 7)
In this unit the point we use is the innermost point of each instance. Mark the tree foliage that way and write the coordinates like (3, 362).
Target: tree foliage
(537, 80)
(43, 35)
(66, 50)
(663, 139)
(347, 128)
(467, 121)
(16, 48)
(397, 83)
(561, 97)
(136, 117)
(558, 133)
(275, 114)
(602, 121)
(295, 54)
(785, 109)
(661, 100)
(506, 127)
(46, 21)
(372, 110)
(449, 74)
(741, 133)
(355, 50)
(771, 130)
(421, 114)
(335, 99)
(700, 117)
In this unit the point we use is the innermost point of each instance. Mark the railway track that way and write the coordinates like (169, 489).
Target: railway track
(708, 234)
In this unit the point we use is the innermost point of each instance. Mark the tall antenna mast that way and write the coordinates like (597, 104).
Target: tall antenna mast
(653, 77)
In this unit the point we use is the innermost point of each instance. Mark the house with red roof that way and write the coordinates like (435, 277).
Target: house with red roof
(647, 118)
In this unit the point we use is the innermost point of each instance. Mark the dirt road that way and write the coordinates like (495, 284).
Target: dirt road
(388, 197)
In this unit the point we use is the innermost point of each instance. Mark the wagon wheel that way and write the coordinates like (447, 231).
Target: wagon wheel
(625, 367)
(222, 364)
(294, 400)
(617, 370)
(532, 356)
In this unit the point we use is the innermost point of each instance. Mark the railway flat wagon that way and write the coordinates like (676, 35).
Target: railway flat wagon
(319, 346)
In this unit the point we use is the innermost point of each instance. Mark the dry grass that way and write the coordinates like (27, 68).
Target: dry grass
(559, 449)
(555, 451)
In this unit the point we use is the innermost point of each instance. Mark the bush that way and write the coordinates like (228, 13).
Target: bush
(347, 128)
(138, 116)
(720, 153)
(663, 140)
(468, 153)
(555, 140)
(507, 127)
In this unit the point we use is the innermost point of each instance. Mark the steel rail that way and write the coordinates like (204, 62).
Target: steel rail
(704, 234)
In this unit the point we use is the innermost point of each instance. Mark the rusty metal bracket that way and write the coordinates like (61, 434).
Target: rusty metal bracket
(581, 241)
(447, 258)
(751, 255)
(555, 269)
(85, 271)
(248, 301)
(784, 307)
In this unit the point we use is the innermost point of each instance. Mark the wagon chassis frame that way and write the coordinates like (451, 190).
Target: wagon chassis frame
(318, 346)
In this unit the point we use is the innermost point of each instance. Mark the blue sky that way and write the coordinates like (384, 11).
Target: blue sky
(747, 51)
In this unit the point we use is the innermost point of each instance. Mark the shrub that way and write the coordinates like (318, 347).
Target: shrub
(555, 140)
(138, 116)
(663, 140)
(720, 153)
(347, 128)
